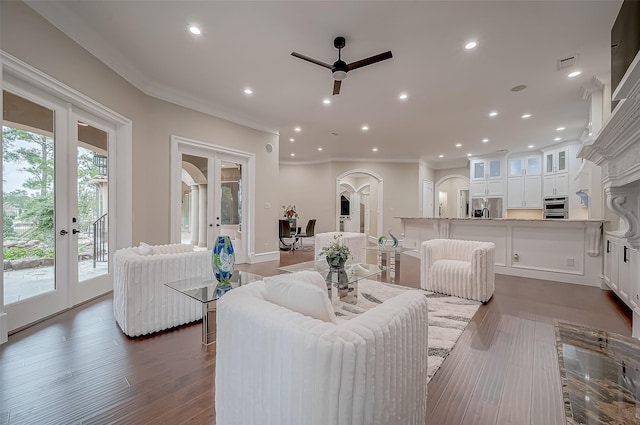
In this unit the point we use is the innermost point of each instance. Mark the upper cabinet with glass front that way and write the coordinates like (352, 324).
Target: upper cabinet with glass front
(487, 177)
(524, 165)
(556, 160)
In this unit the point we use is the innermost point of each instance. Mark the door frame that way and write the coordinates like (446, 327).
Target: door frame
(120, 174)
(180, 145)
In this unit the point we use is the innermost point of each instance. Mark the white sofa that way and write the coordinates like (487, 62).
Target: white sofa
(142, 304)
(276, 366)
(460, 268)
(355, 241)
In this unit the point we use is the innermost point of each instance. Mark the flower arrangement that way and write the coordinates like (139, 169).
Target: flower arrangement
(337, 252)
(289, 212)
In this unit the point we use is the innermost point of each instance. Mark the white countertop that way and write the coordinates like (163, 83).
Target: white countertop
(505, 219)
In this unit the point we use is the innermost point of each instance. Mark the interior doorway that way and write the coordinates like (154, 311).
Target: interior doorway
(211, 196)
(359, 200)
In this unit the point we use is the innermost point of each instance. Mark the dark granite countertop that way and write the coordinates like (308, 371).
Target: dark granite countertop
(600, 373)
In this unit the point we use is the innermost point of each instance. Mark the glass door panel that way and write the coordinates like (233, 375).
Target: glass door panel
(549, 163)
(478, 170)
(562, 160)
(28, 174)
(515, 167)
(494, 168)
(533, 165)
(92, 220)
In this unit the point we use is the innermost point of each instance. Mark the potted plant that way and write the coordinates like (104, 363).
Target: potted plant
(337, 252)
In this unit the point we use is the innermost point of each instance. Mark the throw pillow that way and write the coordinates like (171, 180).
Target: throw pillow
(145, 249)
(303, 292)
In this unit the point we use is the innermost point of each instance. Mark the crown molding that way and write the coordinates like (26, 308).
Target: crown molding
(62, 16)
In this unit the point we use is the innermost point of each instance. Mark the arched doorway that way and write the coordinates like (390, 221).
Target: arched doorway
(363, 190)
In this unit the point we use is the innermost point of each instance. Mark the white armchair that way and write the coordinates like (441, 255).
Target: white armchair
(142, 304)
(355, 241)
(276, 366)
(460, 268)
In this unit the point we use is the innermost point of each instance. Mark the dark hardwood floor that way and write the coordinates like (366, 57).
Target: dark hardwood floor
(78, 367)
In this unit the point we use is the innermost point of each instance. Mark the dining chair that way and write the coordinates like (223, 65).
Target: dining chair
(309, 232)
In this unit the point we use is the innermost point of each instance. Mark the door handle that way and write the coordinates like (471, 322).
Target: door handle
(218, 225)
(63, 232)
(75, 231)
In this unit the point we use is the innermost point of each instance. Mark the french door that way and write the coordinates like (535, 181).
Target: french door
(212, 198)
(55, 204)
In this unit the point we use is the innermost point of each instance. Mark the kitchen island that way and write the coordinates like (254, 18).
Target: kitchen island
(559, 250)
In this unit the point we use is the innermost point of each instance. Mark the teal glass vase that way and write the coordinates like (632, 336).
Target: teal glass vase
(223, 259)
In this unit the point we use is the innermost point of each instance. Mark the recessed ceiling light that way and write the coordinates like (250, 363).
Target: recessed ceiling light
(320, 148)
(493, 113)
(194, 30)
(458, 145)
(248, 91)
(297, 129)
(519, 87)
(403, 96)
(469, 154)
(574, 74)
(292, 140)
(525, 116)
(471, 45)
(557, 139)
(375, 149)
(365, 127)
(485, 140)
(293, 154)
(560, 128)
(531, 146)
(326, 101)
(440, 156)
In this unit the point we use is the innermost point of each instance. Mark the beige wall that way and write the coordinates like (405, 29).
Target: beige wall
(312, 188)
(30, 38)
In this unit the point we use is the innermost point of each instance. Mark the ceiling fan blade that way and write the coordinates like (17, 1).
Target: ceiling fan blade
(308, 59)
(371, 60)
(336, 86)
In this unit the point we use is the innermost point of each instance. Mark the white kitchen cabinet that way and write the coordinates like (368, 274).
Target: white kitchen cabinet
(556, 160)
(556, 172)
(621, 270)
(486, 177)
(556, 185)
(524, 184)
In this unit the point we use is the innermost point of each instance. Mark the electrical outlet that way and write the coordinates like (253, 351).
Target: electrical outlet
(570, 262)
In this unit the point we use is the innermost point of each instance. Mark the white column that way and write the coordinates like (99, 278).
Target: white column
(193, 220)
(202, 216)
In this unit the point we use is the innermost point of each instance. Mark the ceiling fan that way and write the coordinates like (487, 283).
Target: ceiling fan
(340, 68)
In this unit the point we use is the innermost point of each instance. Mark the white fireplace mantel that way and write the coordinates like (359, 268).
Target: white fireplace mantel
(616, 148)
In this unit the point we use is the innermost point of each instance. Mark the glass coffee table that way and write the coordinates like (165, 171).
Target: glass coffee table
(344, 280)
(205, 289)
(389, 257)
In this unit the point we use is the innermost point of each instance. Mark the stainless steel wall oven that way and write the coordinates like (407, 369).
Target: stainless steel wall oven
(556, 208)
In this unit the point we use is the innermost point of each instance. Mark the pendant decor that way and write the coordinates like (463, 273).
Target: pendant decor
(223, 259)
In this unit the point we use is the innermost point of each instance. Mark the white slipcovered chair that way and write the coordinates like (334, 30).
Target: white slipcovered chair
(142, 304)
(355, 241)
(277, 366)
(460, 268)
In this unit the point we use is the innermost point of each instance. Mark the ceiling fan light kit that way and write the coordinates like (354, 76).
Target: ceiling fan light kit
(340, 68)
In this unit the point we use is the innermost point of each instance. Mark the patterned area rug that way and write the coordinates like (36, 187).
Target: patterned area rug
(448, 316)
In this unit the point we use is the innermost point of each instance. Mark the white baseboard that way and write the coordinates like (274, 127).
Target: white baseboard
(3, 328)
(265, 256)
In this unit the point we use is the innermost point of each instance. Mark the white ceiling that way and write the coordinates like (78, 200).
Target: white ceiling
(451, 90)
